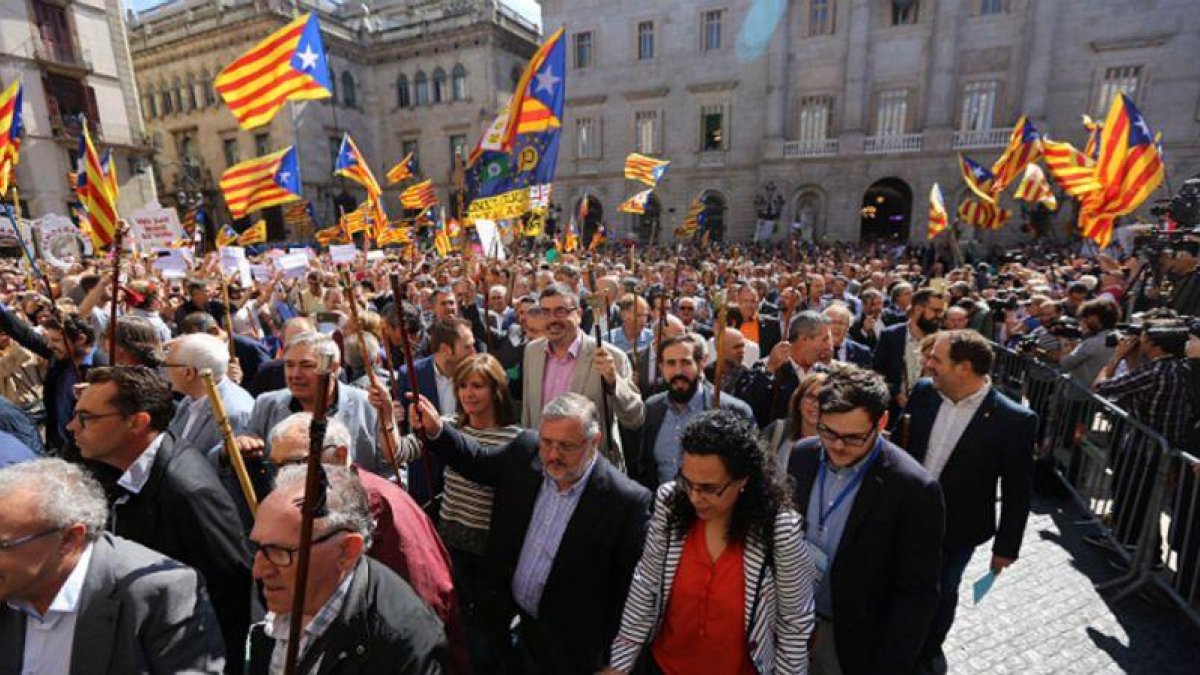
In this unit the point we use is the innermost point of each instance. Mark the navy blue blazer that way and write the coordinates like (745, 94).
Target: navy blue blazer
(886, 571)
(858, 354)
(426, 473)
(889, 356)
(996, 446)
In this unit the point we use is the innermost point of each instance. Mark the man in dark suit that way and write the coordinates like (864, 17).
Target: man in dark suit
(973, 439)
(362, 617)
(251, 354)
(809, 347)
(687, 394)
(566, 532)
(845, 349)
(899, 302)
(104, 604)
(873, 520)
(868, 326)
(898, 356)
(450, 341)
(169, 498)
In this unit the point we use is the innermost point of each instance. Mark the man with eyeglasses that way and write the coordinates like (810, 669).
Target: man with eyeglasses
(565, 536)
(359, 616)
(874, 523)
(168, 497)
(689, 316)
(75, 599)
(569, 360)
(635, 313)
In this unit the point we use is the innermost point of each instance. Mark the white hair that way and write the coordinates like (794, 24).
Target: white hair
(337, 434)
(201, 351)
(321, 344)
(346, 502)
(354, 357)
(574, 406)
(63, 494)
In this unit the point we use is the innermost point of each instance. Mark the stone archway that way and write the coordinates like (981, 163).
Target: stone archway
(886, 212)
(808, 212)
(712, 219)
(591, 220)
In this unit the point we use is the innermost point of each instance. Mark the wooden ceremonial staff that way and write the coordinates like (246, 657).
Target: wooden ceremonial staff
(777, 385)
(413, 387)
(314, 500)
(604, 411)
(116, 290)
(389, 443)
(719, 335)
(228, 315)
(231, 449)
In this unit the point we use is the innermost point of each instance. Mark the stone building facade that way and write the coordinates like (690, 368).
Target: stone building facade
(852, 109)
(409, 75)
(72, 58)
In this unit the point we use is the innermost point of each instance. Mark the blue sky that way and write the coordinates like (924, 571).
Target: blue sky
(527, 8)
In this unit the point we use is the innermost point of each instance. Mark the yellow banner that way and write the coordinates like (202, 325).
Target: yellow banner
(508, 205)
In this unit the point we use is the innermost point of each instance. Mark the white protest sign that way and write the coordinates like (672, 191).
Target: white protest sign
(231, 258)
(260, 272)
(342, 253)
(374, 255)
(293, 265)
(58, 240)
(489, 238)
(173, 265)
(155, 227)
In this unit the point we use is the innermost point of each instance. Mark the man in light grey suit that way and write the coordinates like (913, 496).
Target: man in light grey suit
(568, 360)
(78, 600)
(194, 424)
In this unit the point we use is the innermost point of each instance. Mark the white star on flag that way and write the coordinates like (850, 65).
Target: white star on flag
(308, 58)
(546, 81)
(1142, 126)
(285, 176)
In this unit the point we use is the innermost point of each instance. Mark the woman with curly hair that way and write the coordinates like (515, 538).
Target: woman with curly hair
(724, 584)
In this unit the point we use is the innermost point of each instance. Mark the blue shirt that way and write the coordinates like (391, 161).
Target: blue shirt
(836, 482)
(618, 339)
(13, 451)
(666, 443)
(551, 513)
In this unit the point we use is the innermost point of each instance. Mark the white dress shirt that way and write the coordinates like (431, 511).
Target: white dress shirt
(135, 477)
(952, 420)
(447, 402)
(49, 638)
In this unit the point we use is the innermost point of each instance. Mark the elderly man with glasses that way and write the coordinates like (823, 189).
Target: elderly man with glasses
(358, 614)
(75, 599)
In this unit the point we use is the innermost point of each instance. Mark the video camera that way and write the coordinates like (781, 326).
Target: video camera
(1169, 333)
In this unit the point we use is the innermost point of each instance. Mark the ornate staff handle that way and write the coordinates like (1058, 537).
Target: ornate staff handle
(231, 449)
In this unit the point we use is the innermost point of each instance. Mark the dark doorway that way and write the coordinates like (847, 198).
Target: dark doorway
(712, 220)
(886, 211)
(590, 221)
(648, 224)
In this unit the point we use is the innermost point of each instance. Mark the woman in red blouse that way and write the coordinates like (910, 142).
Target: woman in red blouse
(724, 584)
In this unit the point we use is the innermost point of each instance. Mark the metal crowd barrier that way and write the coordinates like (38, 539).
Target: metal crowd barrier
(1141, 495)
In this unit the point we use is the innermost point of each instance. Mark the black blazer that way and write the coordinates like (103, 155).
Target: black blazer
(858, 353)
(383, 628)
(997, 446)
(859, 334)
(646, 468)
(185, 513)
(585, 591)
(886, 572)
(889, 356)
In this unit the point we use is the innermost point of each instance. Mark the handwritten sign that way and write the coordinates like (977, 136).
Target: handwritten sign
(156, 227)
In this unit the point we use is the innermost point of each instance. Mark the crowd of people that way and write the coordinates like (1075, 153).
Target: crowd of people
(733, 460)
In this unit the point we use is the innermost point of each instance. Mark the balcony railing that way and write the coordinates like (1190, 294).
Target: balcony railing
(887, 145)
(980, 138)
(711, 159)
(65, 56)
(818, 147)
(69, 127)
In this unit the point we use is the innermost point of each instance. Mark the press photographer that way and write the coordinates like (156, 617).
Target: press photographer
(1155, 389)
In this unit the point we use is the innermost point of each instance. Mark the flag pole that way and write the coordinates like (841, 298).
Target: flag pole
(389, 441)
(413, 387)
(116, 289)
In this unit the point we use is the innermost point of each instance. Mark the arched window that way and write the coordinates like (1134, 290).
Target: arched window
(177, 94)
(459, 82)
(422, 88)
(439, 85)
(192, 100)
(403, 99)
(348, 93)
(166, 105)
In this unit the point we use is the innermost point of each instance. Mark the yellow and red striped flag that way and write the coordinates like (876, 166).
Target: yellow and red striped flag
(394, 236)
(938, 219)
(330, 235)
(357, 219)
(402, 170)
(261, 182)
(977, 177)
(1074, 172)
(226, 235)
(636, 203)
(110, 175)
(255, 234)
(692, 221)
(526, 113)
(1093, 128)
(11, 129)
(570, 238)
(1034, 188)
(983, 215)
(99, 202)
(290, 64)
(645, 169)
(1024, 146)
(351, 164)
(419, 196)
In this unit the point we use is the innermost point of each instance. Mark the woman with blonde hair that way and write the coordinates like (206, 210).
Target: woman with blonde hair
(800, 423)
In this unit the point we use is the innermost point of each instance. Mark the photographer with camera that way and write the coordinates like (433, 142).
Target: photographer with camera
(1087, 356)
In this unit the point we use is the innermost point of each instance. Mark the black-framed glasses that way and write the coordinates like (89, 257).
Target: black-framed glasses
(9, 545)
(704, 489)
(829, 437)
(562, 447)
(560, 312)
(282, 556)
(84, 418)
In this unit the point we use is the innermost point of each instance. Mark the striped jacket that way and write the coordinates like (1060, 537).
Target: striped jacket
(778, 608)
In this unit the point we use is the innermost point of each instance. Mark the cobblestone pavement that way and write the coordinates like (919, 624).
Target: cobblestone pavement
(1043, 614)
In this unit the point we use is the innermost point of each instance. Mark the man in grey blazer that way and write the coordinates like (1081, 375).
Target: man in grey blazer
(77, 600)
(194, 424)
(568, 360)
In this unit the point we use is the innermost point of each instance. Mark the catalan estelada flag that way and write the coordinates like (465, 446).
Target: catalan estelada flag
(419, 196)
(938, 218)
(226, 235)
(692, 221)
(255, 234)
(290, 64)
(977, 177)
(99, 202)
(330, 235)
(1073, 170)
(1093, 128)
(636, 203)
(981, 214)
(109, 167)
(441, 237)
(598, 238)
(645, 169)
(351, 164)
(1035, 189)
(261, 182)
(402, 170)
(11, 129)
(528, 113)
(1024, 146)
